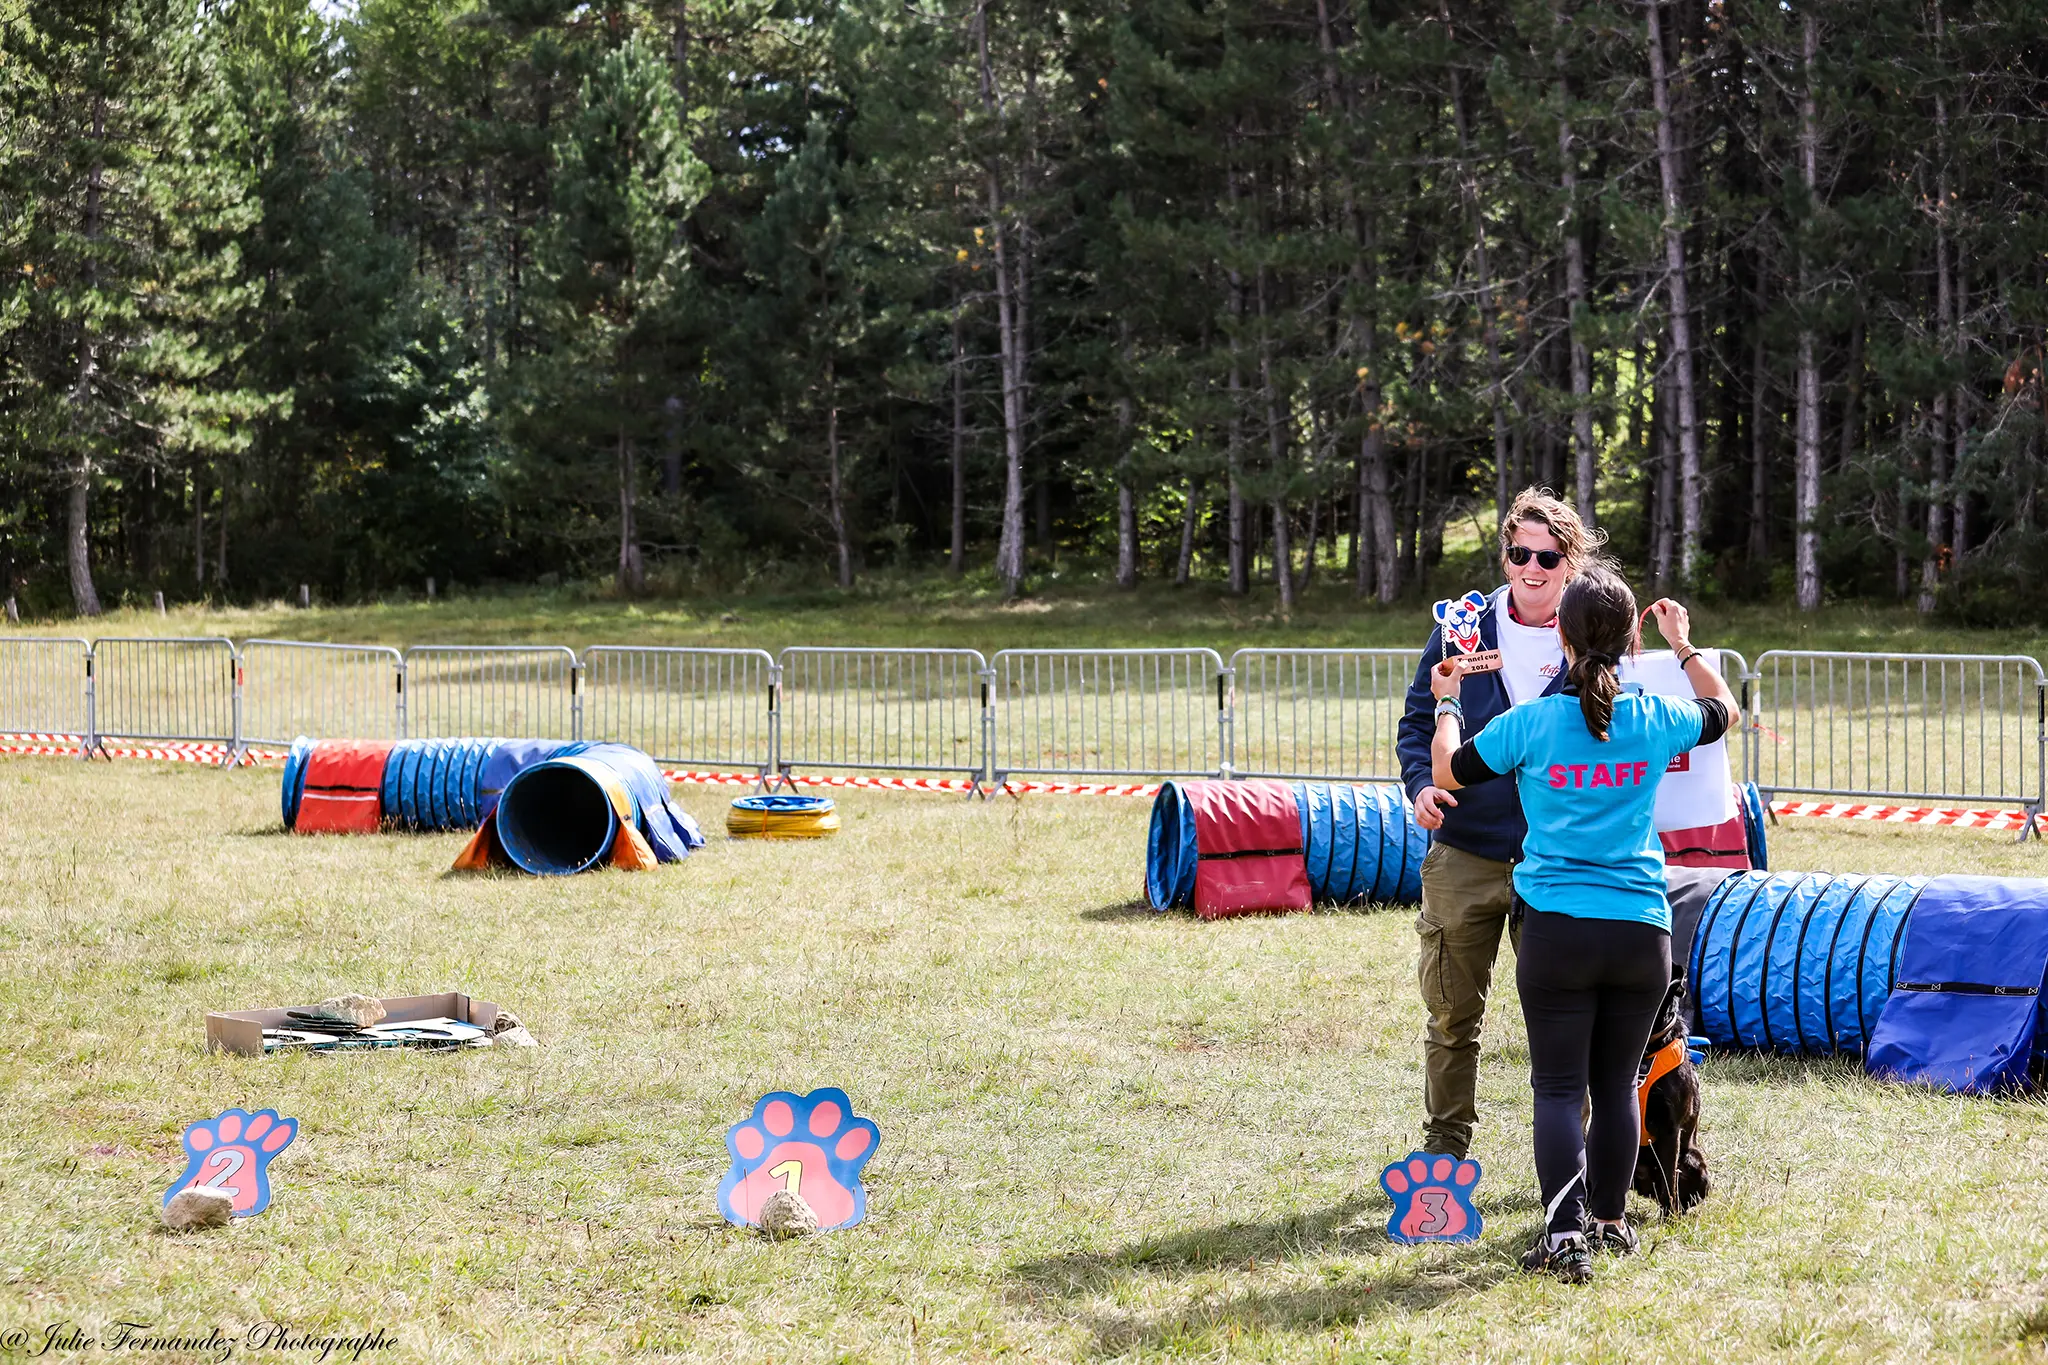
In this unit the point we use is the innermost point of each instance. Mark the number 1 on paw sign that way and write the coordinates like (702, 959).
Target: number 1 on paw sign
(1432, 1196)
(811, 1145)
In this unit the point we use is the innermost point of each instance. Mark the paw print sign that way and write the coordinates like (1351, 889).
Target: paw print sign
(1459, 617)
(1432, 1197)
(233, 1152)
(811, 1145)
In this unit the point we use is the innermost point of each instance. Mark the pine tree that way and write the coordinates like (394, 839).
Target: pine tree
(611, 267)
(125, 265)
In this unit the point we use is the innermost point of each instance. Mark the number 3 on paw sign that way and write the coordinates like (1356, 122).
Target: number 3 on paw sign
(1432, 1196)
(232, 1152)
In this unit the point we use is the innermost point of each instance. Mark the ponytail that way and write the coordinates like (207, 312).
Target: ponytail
(1598, 684)
(1597, 618)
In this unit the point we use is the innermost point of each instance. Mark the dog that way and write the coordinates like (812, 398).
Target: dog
(1670, 1168)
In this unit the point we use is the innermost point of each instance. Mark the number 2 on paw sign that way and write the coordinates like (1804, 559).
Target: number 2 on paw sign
(1432, 1196)
(232, 1152)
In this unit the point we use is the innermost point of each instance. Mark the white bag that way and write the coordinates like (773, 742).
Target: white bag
(1698, 789)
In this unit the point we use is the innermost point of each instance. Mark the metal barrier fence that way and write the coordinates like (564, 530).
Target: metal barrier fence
(527, 691)
(1911, 727)
(44, 687)
(712, 708)
(1110, 713)
(1319, 713)
(1880, 727)
(1738, 677)
(885, 710)
(183, 689)
(296, 687)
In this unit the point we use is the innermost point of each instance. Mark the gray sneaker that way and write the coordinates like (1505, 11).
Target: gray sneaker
(1616, 1239)
(1564, 1255)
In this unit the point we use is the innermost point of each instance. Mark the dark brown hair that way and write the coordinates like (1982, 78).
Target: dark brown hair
(1597, 618)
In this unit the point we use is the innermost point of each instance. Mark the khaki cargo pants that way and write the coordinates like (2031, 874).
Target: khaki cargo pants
(1466, 902)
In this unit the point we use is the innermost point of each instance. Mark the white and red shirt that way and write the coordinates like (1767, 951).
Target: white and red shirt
(1530, 656)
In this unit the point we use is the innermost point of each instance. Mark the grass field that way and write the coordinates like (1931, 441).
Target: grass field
(1106, 1134)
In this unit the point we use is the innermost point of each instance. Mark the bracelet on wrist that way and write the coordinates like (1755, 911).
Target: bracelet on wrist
(1687, 655)
(1450, 706)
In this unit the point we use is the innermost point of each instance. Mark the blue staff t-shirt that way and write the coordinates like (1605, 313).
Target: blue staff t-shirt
(1592, 850)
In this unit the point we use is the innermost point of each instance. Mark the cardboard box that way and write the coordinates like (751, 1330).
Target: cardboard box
(241, 1031)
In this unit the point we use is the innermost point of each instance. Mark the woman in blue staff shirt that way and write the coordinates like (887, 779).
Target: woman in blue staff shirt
(1595, 957)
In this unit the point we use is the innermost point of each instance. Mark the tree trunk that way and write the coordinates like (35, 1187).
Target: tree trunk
(672, 446)
(1759, 547)
(1240, 553)
(1009, 330)
(1662, 521)
(220, 532)
(630, 578)
(958, 560)
(1489, 324)
(679, 53)
(1959, 418)
(1585, 455)
(835, 506)
(1190, 518)
(1126, 494)
(1682, 406)
(1806, 457)
(1277, 456)
(1944, 321)
(85, 598)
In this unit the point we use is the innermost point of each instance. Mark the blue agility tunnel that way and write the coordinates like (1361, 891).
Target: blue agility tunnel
(1360, 843)
(1798, 962)
(588, 804)
(578, 804)
(295, 778)
(435, 784)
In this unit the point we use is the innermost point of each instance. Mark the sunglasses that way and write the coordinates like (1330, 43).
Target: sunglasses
(1518, 555)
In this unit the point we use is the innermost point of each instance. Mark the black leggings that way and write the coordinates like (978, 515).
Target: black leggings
(1590, 990)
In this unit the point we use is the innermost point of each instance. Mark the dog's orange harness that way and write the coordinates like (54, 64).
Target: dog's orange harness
(1663, 1062)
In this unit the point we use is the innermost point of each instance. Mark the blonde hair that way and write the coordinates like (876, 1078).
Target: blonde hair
(1579, 543)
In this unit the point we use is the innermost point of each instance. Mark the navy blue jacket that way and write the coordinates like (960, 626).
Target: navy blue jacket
(1488, 819)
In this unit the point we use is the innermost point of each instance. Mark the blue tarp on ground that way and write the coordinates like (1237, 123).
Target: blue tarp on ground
(1967, 1013)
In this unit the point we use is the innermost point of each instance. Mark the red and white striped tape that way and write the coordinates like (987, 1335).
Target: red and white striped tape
(1908, 815)
(64, 746)
(67, 746)
(956, 785)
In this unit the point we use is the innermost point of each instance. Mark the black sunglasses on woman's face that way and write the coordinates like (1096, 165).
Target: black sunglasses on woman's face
(1518, 555)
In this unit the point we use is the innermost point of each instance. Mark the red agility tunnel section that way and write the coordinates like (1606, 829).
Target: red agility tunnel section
(342, 782)
(1248, 842)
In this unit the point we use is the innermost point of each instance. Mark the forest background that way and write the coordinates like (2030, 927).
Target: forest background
(720, 293)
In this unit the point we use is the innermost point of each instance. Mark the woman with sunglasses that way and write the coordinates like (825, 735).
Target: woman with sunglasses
(1594, 957)
(1477, 837)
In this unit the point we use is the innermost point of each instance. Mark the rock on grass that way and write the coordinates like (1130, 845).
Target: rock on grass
(200, 1207)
